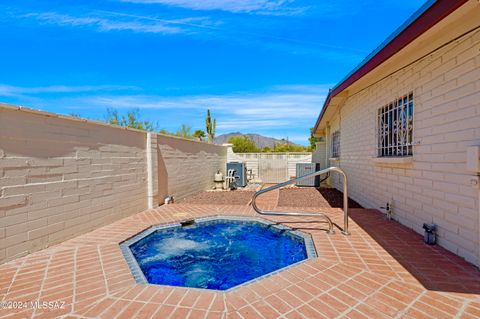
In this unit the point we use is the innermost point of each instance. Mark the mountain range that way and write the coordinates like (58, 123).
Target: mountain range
(260, 140)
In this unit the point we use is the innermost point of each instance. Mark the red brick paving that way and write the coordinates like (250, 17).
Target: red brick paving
(383, 270)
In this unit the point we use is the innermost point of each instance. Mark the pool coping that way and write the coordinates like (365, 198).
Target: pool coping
(140, 277)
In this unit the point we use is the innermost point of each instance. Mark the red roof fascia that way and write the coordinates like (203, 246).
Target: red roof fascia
(437, 12)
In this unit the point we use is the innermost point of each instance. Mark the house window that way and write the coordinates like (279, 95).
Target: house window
(395, 128)
(336, 144)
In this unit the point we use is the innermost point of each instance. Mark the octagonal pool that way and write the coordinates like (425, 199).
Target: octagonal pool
(214, 253)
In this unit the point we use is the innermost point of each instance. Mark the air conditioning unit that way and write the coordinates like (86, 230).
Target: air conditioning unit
(307, 168)
(240, 172)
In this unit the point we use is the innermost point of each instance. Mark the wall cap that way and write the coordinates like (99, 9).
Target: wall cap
(18, 108)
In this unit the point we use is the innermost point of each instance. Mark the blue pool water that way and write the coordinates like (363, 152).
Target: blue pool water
(216, 255)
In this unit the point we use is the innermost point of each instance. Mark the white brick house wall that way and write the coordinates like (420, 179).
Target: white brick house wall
(320, 154)
(435, 187)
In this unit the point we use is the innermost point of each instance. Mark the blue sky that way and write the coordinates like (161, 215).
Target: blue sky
(262, 66)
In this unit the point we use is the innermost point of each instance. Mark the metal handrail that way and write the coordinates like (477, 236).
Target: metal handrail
(330, 224)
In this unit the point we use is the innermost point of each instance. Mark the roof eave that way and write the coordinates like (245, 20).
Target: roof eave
(421, 21)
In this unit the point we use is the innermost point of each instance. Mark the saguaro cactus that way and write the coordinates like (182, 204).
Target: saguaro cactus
(210, 126)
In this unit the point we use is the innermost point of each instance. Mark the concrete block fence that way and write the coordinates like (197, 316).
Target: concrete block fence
(61, 177)
(253, 162)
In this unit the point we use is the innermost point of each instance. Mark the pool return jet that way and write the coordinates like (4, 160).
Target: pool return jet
(319, 214)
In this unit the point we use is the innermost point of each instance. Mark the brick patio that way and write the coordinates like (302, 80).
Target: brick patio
(383, 270)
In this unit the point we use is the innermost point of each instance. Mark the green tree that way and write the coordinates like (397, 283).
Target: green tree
(200, 134)
(284, 148)
(112, 117)
(184, 131)
(210, 126)
(132, 119)
(313, 140)
(243, 144)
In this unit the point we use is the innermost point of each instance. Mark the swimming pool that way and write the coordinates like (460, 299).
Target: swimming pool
(215, 253)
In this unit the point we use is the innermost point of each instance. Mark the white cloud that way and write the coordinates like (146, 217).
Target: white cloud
(304, 88)
(111, 21)
(105, 21)
(9, 90)
(249, 124)
(281, 111)
(244, 6)
(239, 111)
(271, 105)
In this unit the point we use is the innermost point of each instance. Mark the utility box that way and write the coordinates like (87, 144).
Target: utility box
(240, 171)
(473, 159)
(307, 168)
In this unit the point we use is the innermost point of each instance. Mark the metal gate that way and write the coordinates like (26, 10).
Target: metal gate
(273, 168)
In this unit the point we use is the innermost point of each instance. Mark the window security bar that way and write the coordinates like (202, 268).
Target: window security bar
(395, 128)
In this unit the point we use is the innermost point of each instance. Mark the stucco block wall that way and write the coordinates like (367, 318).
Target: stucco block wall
(60, 178)
(435, 187)
(187, 167)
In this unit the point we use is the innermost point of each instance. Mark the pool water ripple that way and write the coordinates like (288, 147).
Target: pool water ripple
(216, 255)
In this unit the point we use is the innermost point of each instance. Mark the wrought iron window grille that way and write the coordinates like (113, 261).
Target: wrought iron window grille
(395, 128)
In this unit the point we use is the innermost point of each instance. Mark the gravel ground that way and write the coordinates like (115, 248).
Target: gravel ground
(312, 197)
(237, 197)
(288, 197)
